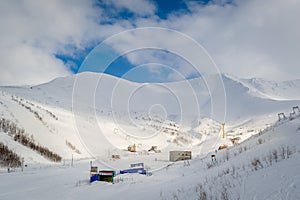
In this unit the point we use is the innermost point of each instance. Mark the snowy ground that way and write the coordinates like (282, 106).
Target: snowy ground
(235, 177)
(264, 165)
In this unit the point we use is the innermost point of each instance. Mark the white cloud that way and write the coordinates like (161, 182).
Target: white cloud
(250, 38)
(247, 39)
(138, 7)
(177, 67)
(28, 65)
(33, 31)
(183, 50)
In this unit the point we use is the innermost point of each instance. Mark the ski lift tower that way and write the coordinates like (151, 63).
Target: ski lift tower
(223, 130)
(281, 116)
(296, 108)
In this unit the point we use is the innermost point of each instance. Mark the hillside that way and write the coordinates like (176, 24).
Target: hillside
(284, 90)
(68, 116)
(265, 166)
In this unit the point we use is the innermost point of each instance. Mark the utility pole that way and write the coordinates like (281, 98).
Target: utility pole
(91, 164)
(223, 130)
(22, 164)
(72, 161)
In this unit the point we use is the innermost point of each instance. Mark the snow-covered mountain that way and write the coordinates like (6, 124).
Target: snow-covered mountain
(94, 116)
(68, 115)
(284, 90)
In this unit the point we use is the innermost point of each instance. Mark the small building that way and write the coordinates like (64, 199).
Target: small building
(135, 168)
(137, 165)
(94, 176)
(180, 155)
(106, 175)
(94, 170)
(102, 175)
(133, 171)
(115, 156)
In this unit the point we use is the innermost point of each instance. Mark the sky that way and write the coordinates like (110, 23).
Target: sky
(42, 40)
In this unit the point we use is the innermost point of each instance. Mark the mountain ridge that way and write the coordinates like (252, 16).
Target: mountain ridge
(121, 112)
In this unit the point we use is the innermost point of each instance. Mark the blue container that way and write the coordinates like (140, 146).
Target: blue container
(94, 178)
(131, 171)
(142, 172)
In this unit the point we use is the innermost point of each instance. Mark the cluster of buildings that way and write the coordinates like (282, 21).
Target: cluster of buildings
(108, 175)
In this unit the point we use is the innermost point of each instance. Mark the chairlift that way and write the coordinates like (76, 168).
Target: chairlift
(281, 116)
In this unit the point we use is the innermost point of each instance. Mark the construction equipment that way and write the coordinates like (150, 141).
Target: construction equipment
(132, 148)
(155, 149)
(222, 147)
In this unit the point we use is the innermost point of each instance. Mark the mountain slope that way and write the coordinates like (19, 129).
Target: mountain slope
(284, 90)
(99, 115)
(237, 175)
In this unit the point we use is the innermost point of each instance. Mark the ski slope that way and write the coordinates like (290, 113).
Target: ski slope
(100, 115)
(234, 176)
(92, 116)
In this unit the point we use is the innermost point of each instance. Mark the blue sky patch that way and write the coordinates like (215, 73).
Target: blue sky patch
(122, 67)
